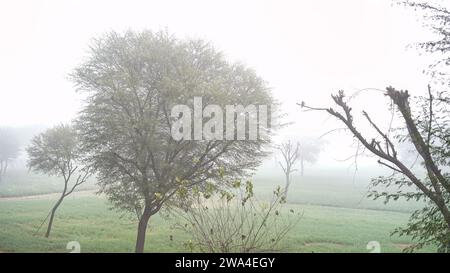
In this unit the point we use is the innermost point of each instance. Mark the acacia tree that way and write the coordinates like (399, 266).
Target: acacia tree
(56, 152)
(9, 149)
(291, 153)
(133, 80)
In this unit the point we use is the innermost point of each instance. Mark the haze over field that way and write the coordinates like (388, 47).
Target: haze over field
(305, 50)
(87, 97)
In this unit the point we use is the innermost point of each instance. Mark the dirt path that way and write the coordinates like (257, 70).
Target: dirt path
(48, 196)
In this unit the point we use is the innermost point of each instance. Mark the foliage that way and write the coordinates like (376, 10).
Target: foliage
(436, 18)
(53, 151)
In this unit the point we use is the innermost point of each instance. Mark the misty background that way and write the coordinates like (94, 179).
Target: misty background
(305, 50)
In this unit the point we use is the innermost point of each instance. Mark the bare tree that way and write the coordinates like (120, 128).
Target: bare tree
(56, 152)
(291, 153)
(430, 140)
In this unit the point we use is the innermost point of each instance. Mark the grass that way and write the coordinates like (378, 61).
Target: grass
(98, 229)
(84, 219)
(336, 191)
(22, 183)
(336, 218)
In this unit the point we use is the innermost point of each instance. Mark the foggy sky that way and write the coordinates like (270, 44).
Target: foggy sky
(304, 50)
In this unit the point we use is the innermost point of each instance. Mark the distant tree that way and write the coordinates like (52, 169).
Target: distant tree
(309, 152)
(56, 152)
(291, 153)
(133, 80)
(9, 149)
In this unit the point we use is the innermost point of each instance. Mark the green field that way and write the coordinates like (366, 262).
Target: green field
(98, 229)
(336, 191)
(22, 183)
(336, 218)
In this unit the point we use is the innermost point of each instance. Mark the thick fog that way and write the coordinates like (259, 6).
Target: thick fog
(305, 50)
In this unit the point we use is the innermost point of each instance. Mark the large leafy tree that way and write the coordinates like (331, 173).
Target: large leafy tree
(56, 152)
(132, 81)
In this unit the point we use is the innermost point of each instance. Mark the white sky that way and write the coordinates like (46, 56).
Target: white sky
(304, 49)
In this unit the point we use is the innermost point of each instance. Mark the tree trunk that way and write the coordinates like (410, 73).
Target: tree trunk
(52, 216)
(142, 229)
(288, 182)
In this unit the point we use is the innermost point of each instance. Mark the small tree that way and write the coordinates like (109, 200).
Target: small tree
(291, 153)
(9, 149)
(55, 152)
(234, 220)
